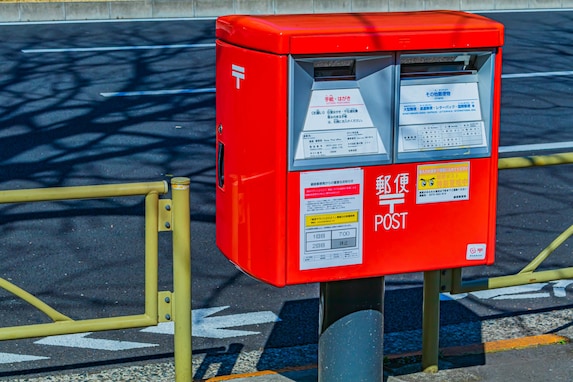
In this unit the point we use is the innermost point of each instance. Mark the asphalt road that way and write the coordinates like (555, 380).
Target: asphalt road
(114, 102)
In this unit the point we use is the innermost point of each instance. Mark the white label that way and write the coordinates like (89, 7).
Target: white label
(338, 124)
(318, 144)
(455, 135)
(423, 104)
(476, 252)
(331, 204)
(336, 109)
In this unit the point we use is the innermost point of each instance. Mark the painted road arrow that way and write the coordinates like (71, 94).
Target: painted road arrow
(79, 341)
(520, 292)
(15, 358)
(216, 327)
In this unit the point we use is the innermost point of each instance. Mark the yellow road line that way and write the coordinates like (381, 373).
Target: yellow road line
(258, 373)
(486, 347)
(505, 345)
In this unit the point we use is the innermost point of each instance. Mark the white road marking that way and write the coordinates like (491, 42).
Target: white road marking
(520, 292)
(496, 293)
(117, 48)
(212, 90)
(99, 21)
(452, 297)
(15, 358)
(538, 146)
(559, 287)
(158, 92)
(523, 296)
(79, 341)
(161, 328)
(538, 74)
(216, 327)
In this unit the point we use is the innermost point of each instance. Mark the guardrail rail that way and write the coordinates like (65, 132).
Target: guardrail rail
(450, 280)
(160, 215)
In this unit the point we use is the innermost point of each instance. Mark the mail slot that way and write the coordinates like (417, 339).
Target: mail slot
(356, 145)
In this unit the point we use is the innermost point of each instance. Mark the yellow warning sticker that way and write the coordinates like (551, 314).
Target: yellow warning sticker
(331, 219)
(443, 182)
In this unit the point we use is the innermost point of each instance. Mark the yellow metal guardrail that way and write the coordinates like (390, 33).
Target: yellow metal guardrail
(173, 215)
(160, 215)
(451, 280)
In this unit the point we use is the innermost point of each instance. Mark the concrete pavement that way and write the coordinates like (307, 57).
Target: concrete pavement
(545, 357)
(526, 347)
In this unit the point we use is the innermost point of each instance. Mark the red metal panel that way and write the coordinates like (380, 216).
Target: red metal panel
(251, 124)
(413, 237)
(360, 32)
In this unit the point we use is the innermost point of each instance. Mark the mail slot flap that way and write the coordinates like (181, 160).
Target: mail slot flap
(334, 69)
(438, 65)
(364, 32)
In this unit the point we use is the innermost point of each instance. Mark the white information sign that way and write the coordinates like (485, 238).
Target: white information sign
(336, 109)
(436, 136)
(439, 103)
(338, 124)
(319, 144)
(331, 209)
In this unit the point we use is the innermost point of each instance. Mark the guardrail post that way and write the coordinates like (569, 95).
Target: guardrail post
(431, 322)
(182, 279)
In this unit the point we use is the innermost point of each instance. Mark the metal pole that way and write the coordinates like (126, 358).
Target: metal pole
(431, 322)
(151, 254)
(182, 279)
(81, 192)
(350, 347)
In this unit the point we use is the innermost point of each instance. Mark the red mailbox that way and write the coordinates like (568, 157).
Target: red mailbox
(357, 145)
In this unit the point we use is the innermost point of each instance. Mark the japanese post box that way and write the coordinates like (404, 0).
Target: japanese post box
(356, 145)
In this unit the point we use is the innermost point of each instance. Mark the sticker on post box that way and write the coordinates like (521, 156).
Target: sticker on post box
(440, 116)
(336, 109)
(439, 103)
(438, 136)
(444, 182)
(318, 144)
(338, 124)
(331, 218)
(475, 252)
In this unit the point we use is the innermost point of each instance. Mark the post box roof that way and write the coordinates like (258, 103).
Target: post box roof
(360, 32)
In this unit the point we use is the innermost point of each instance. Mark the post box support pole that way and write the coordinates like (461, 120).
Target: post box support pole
(431, 322)
(351, 321)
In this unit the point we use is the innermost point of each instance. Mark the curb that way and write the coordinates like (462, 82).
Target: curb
(455, 351)
(255, 374)
(506, 345)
